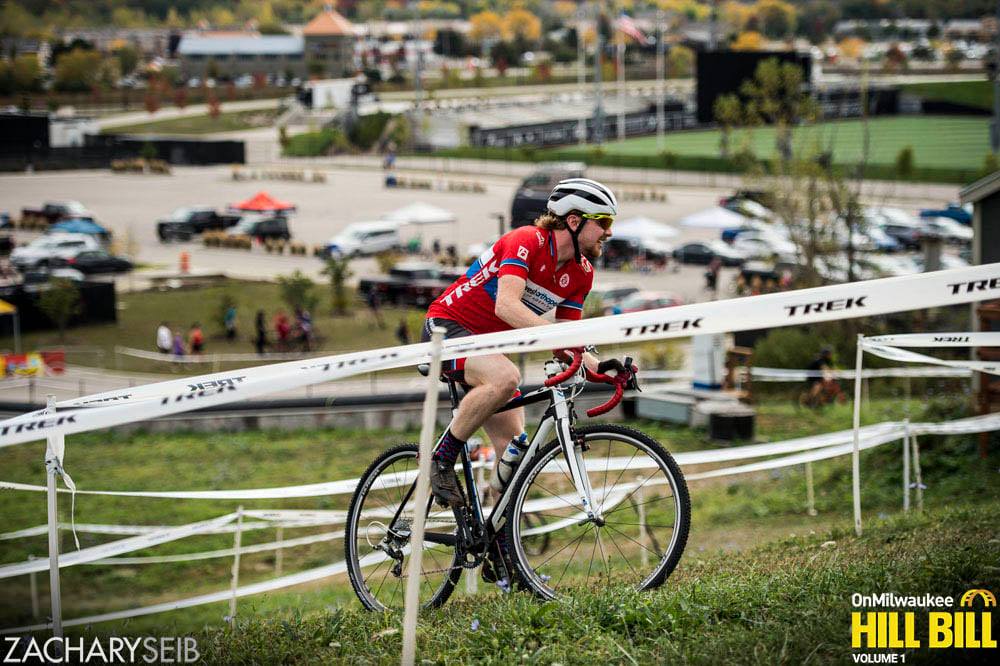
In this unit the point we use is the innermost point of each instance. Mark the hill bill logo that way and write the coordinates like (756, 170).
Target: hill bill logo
(896, 629)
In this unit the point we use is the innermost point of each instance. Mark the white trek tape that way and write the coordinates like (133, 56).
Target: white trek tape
(225, 552)
(307, 576)
(131, 530)
(212, 358)
(783, 375)
(975, 339)
(860, 299)
(116, 547)
(906, 356)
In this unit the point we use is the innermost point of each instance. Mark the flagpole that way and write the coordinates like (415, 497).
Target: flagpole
(621, 85)
(659, 81)
(581, 73)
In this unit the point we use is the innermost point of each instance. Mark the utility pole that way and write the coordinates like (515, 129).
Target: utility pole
(581, 71)
(660, 53)
(995, 127)
(598, 93)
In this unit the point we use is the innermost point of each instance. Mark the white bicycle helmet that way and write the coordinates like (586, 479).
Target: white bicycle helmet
(583, 195)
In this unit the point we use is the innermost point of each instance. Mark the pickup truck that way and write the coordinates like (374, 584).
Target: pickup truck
(186, 222)
(415, 283)
(54, 211)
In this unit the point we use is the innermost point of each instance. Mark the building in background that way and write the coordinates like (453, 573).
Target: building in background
(324, 49)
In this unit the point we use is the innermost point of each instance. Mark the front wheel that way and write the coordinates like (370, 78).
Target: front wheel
(377, 537)
(639, 530)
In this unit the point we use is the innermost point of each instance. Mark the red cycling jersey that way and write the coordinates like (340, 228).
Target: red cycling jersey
(529, 253)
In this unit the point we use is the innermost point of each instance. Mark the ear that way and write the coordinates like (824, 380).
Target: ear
(573, 221)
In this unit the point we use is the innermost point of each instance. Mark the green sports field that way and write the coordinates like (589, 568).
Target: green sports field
(944, 142)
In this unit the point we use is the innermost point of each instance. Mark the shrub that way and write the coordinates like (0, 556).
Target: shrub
(905, 162)
(316, 144)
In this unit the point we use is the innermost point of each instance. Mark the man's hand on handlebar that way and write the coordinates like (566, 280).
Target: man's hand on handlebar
(626, 368)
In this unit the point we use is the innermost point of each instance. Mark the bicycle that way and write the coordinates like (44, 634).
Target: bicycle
(566, 527)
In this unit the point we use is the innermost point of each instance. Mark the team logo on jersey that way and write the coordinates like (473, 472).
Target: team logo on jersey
(564, 280)
(541, 239)
(586, 266)
(522, 252)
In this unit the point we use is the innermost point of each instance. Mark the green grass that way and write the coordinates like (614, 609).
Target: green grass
(728, 515)
(975, 94)
(946, 148)
(224, 122)
(941, 142)
(141, 312)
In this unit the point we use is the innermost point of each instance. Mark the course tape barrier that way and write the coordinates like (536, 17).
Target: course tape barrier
(347, 486)
(974, 339)
(830, 303)
(213, 358)
(130, 544)
(874, 436)
(906, 356)
(783, 375)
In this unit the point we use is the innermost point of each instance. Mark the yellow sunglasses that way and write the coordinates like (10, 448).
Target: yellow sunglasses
(602, 219)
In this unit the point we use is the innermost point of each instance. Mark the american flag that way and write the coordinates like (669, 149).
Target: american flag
(627, 26)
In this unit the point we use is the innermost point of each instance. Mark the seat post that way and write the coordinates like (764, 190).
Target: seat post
(453, 392)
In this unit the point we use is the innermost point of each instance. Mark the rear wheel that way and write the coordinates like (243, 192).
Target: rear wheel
(377, 537)
(636, 539)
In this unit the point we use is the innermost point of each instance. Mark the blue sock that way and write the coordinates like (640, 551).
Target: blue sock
(448, 448)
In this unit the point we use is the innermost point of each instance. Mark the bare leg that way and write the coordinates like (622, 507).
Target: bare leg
(501, 428)
(493, 379)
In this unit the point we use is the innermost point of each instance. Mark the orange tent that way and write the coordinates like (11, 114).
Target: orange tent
(262, 201)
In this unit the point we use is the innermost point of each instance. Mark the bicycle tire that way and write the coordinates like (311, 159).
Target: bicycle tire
(352, 538)
(527, 575)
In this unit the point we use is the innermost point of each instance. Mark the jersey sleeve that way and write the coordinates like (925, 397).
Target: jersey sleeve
(516, 254)
(572, 306)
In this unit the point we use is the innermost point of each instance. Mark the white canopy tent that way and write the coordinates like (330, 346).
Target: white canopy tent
(644, 228)
(419, 212)
(715, 218)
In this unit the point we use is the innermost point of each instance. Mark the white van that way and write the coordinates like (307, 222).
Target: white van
(363, 238)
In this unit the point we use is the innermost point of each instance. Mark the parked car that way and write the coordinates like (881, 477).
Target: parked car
(961, 214)
(415, 283)
(763, 244)
(647, 300)
(258, 225)
(186, 222)
(702, 252)
(747, 208)
(44, 251)
(611, 296)
(54, 211)
(533, 193)
(90, 262)
(951, 231)
(905, 235)
(363, 238)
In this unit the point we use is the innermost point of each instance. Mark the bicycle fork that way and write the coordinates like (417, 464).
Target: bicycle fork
(574, 458)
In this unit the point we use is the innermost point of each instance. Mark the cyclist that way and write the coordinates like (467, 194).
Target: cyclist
(526, 273)
(816, 384)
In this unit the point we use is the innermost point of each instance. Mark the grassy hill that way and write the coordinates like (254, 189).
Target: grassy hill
(726, 585)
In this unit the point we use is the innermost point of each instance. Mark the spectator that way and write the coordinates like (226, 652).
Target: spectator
(303, 322)
(712, 275)
(196, 341)
(229, 321)
(375, 305)
(403, 333)
(260, 341)
(164, 338)
(178, 345)
(282, 328)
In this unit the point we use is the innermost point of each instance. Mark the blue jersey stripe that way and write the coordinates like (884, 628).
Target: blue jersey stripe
(516, 262)
(571, 304)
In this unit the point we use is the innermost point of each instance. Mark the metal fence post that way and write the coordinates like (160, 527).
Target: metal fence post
(236, 565)
(420, 500)
(906, 466)
(916, 471)
(33, 580)
(279, 553)
(53, 462)
(810, 493)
